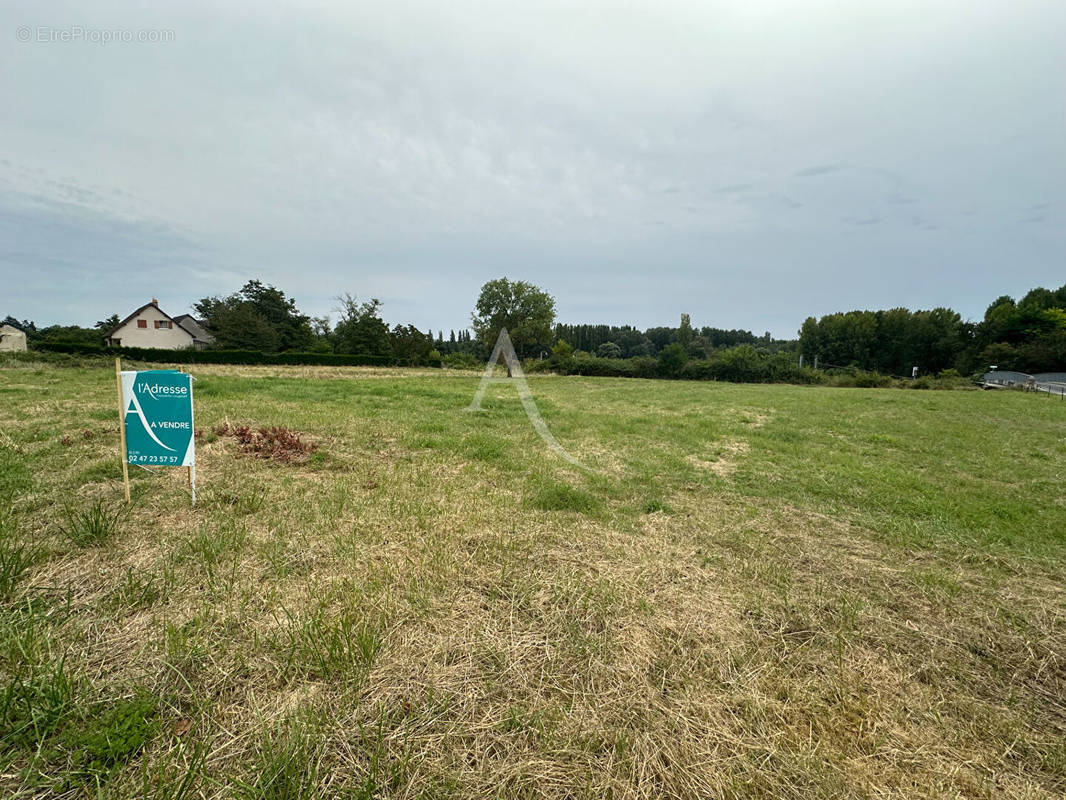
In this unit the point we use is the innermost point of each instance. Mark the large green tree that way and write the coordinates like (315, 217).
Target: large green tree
(410, 345)
(26, 325)
(891, 341)
(527, 311)
(1029, 335)
(361, 330)
(257, 317)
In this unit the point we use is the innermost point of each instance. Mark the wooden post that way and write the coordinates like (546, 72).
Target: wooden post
(122, 429)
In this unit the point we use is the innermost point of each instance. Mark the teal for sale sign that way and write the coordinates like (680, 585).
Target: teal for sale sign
(158, 418)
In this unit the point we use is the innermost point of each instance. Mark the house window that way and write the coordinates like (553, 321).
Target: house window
(162, 323)
(142, 323)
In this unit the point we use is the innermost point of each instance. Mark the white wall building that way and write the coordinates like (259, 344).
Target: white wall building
(11, 338)
(149, 326)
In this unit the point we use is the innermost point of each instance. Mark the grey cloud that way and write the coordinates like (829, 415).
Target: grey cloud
(638, 161)
(821, 169)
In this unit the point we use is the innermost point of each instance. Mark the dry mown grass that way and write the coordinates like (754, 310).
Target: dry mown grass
(423, 617)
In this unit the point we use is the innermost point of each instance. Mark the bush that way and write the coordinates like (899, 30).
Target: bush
(952, 379)
(41, 357)
(671, 360)
(739, 364)
(600, 367)
(860, 379)
(531, 365)
(698, 370)
(645, 366)
(562, 350)
(747, 364)
(463, 361)
(562, 357)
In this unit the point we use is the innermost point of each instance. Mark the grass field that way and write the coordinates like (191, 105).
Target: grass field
(757, 591)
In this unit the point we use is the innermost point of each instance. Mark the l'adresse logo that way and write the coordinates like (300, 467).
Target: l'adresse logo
(155, 390)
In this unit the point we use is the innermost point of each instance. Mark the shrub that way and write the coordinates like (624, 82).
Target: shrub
(951, 379)
(671, 360)
(853, 377)
(700, 370)
(562, 350)
(530, 365)
(645, 366)
(562, 357)
(600, 367)
(463, 361)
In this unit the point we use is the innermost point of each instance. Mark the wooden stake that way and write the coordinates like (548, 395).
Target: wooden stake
(122, 429)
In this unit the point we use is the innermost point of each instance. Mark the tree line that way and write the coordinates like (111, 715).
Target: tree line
(1028, 335)
(625, 341)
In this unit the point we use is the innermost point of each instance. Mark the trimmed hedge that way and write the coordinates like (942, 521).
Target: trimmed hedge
(593, 366)
(228, 356)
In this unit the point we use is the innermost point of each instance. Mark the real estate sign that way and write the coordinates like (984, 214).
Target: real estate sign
(157, 417)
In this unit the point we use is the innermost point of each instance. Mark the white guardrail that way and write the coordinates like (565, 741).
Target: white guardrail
(1051, 382)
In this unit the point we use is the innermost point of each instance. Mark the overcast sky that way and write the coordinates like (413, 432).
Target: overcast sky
(750, 163)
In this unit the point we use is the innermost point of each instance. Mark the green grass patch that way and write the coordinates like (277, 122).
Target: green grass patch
(752, 591)
(563, 497)
(100, 743)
